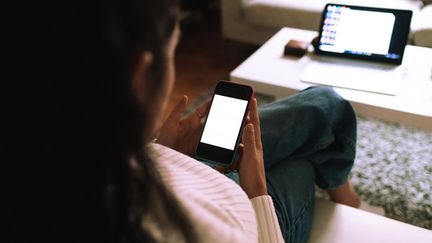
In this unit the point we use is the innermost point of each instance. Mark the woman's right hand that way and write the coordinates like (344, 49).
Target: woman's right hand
(251, 166)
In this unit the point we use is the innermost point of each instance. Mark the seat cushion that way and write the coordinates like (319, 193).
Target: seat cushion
(306, 14)
(336, 223)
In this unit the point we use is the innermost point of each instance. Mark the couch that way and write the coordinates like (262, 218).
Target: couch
(255, 21)
(337, 223)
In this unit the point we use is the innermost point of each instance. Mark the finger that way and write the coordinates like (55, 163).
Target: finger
(199, 113)
(195, 133)
(194, 120)
(254, 116)
(248, 138)
(248, 120)
(235, 165)
(179, 109)
(220, 169)
(203, 109)
(225, 169)
(240, 150)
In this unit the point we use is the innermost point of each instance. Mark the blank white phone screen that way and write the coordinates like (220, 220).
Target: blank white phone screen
(224, 121)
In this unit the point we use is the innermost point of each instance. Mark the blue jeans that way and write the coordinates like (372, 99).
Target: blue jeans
(308, 138)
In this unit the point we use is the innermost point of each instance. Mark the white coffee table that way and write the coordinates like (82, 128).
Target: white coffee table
(272, 73)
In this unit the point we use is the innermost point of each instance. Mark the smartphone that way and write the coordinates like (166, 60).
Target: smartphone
(224, 124)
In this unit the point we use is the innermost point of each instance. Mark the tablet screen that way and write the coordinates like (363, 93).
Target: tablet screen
(366, 33)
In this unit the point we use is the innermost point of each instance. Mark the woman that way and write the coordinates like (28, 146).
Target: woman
(91, 80)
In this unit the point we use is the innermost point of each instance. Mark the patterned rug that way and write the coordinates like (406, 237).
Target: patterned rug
(393, 170)
(393, 167)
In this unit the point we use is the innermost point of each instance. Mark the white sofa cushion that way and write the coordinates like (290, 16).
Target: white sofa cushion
(336, 223)
(306, 14)
(422, 27)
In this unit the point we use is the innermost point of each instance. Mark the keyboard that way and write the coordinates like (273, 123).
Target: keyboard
(356, 75)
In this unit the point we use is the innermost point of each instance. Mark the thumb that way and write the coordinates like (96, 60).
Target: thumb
(178, 109)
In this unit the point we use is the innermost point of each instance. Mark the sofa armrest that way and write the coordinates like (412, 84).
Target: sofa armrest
(422, 27)
(234, 26)
(232, 11)
(427, 2)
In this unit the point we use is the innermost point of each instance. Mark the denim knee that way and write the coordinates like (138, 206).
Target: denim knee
(336, 109)
(334, 160)
(316, 124)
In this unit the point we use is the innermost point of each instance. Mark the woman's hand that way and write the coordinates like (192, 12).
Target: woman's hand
(251, 165)
(182, 134)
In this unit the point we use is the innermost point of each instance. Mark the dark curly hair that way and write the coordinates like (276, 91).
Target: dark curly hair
(74, 126)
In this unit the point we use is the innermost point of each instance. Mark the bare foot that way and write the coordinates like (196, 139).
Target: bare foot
(345, 194)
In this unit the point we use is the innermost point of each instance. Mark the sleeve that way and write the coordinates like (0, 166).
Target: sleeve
(268, 224)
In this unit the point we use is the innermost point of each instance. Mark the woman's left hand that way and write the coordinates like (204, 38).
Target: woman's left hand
(182, 134)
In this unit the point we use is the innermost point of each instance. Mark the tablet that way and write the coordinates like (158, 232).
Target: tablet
(367, 33)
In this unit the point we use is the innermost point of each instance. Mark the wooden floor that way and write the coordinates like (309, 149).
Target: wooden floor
(203, 57)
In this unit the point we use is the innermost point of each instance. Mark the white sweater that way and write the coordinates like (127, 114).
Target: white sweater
(217, 206)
